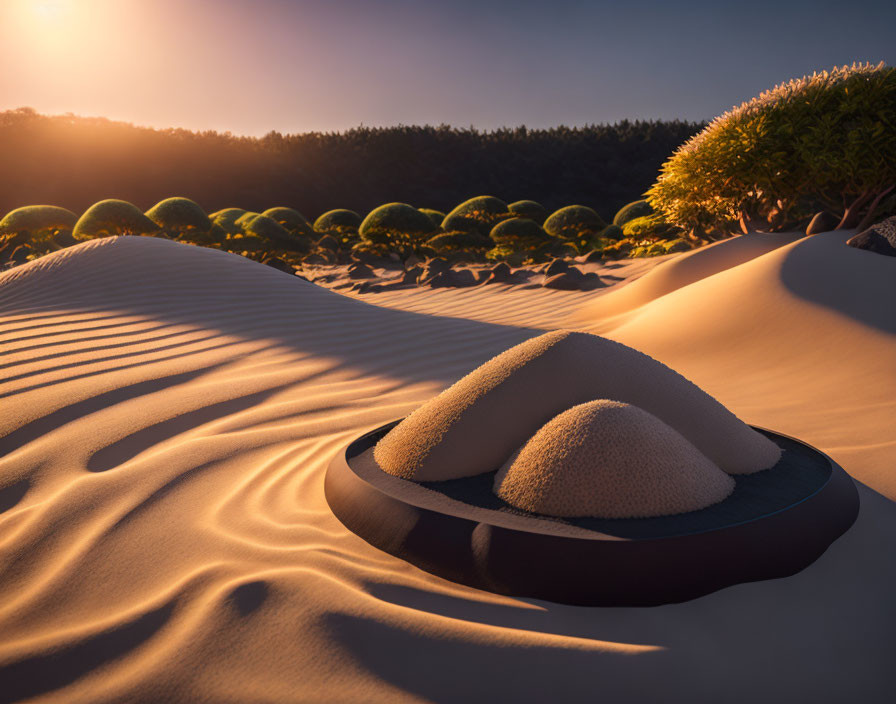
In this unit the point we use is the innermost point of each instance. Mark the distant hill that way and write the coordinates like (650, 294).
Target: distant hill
(74, 161)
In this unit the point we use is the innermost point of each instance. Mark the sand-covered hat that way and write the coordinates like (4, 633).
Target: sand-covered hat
(575, 469)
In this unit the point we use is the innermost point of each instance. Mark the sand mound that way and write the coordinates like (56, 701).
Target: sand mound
(685, 269)
(610, 460)
(474, 426)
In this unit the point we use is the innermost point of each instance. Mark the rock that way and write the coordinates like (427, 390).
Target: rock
(595, 256)
(573, 280)
(500, 273)
(433, 268)
(879, 238)
(328, 242)
(360, 271)
(411, 275)
(822, 221)
(460, 278)
(412, 261)
(279, 264)
(556, 266)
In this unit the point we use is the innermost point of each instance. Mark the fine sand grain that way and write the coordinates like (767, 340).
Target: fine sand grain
(610, 460)
(168, 413)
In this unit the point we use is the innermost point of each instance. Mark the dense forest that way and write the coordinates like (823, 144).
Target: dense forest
(73, 162)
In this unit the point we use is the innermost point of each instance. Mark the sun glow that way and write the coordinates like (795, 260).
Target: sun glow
(48, 9)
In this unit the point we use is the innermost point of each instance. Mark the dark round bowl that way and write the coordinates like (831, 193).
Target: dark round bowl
(774, 524)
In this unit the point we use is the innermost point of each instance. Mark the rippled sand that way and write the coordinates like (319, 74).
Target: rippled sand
(168, 413)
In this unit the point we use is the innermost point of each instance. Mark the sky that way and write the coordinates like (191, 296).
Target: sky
(253, 66)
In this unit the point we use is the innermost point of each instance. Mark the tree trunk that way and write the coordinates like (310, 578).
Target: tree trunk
(868, 220)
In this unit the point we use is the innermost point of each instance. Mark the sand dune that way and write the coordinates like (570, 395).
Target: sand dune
(168, 413)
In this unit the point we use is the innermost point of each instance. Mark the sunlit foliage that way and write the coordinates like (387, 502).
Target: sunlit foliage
(574, 222)
(635, 209)
(397, 223)
(226, 219)
(529, 209)
(479, 214)
(821, 142)
(272, 232)
(460, 241)
(113, 217)
(36, 223)
(179, 216)
(340, 223)
(291, 220)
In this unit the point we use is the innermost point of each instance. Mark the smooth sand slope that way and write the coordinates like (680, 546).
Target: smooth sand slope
(168, 413)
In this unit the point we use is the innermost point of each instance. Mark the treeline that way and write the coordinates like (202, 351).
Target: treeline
(74, 161)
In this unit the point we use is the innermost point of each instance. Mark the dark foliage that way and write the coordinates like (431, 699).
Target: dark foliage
(74, 162)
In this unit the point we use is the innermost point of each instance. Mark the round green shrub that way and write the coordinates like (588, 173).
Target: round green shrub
(574, 222)
(226, 219)
(341, 223)
(479, 214)
(520, 234)
(271, 231)
(178, 216)
(815, 143)
(36, 223)
(635, 209)
(290, 220)
(395, 223)
(112, 217)
(455, 241)
(529, 209)
(435, 215)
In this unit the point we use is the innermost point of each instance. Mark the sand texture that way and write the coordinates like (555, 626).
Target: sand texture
(610, 460)
(168, 413)
(474, 426)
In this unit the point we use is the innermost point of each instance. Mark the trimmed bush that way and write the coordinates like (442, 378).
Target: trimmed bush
(529, 209)
(636, 209)
(36, 223)
(479, 214)
(574, 222)
(341, 223)
(519, 234)
(226, 219)
(396, 223)
(457, 241)
(290, 220)
(649, 226)
(821, 142)
(435, 215)
(273, 232)
(177, 216)
(112, 217)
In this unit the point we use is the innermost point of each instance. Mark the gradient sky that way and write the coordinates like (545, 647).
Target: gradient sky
(251, 66)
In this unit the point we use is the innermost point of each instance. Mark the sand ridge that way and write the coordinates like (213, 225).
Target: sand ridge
(164, 534)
